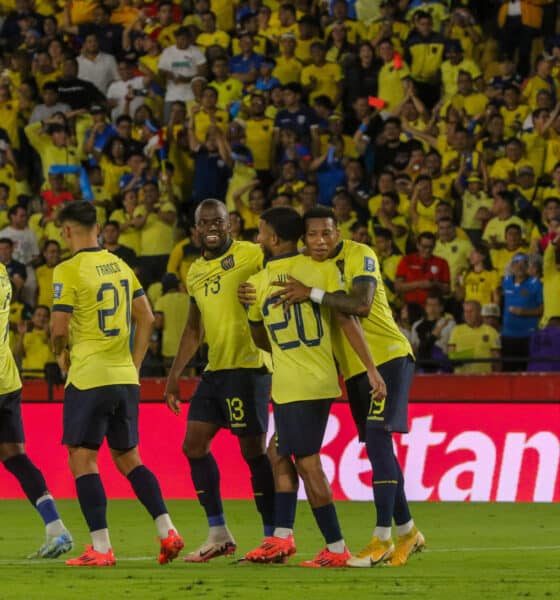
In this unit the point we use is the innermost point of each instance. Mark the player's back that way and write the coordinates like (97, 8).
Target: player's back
(97, 287)
(300, 337)
(9, 376)
(212, 285)
(357, 261)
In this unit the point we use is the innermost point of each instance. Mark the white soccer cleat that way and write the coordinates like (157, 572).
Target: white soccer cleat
(54, 547)
(210, 550)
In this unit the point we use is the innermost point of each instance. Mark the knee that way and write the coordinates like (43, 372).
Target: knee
(252, 448)
(194, 448)
(126, 461)
(308, 466)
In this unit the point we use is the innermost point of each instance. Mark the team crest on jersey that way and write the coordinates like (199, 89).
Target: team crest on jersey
(57, 291)
(228, 263)
(485, 338)
(454, 249)
(369, 264)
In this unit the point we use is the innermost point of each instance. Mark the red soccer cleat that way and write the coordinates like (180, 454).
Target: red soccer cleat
(92, 558)
(273, 550)
(170, 547)
(326, 558)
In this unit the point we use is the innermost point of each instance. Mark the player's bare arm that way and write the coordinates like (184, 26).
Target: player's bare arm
(354, 334)
(190, 341)
(60, 328)
(258, 333)
(143, 319)
(358, 302)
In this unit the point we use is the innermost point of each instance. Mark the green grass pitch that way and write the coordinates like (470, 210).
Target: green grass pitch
(482, 551)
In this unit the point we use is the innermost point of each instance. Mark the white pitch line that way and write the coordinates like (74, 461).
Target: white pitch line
(7, 561)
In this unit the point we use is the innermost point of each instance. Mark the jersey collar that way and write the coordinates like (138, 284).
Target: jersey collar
(226, 249)
(94, 249)
(281, 256)
(338, 249)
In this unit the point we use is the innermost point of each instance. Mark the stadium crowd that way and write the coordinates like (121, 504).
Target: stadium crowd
(432, 129)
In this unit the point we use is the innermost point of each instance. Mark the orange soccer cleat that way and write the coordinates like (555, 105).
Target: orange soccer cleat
(326, 558)
(170, 547)
(93, 558)
(273, 550)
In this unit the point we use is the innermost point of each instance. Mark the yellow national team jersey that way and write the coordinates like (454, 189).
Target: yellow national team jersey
(258, 134)
(37, 354)
(212, 285)
(479, 286)
(9, 381)
(175, 309)
(327, 77)
(357, 262)
(97, 287)
(300, 338)
(44, 276)
(473, 342)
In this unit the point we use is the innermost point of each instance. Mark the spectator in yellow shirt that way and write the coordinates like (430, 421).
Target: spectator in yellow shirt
(44, 273)
(541, 80)
(551, 278)
(454, 250)
(229, 88)
(513, 244)
(503, 210)
(211, 36)
(33, 344)
(474, 340)
(171, 311)
(480, 282)
(322, 78)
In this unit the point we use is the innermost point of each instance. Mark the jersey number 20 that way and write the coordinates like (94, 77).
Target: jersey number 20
(296, 312)
(103, 314)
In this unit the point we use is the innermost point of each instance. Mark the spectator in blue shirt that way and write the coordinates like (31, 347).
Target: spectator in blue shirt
(245, 66)
(523, 305)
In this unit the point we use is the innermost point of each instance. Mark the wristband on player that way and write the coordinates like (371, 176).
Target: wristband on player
(316, 295)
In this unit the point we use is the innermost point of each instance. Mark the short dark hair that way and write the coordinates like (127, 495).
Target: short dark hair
(13, 209)
(513, 226)
(51, 243)
(383, 232)
(508, 197)
(285, 221)
(79, 211)
(393, 196)
(427, 235)
(8, 241)
(318, 212)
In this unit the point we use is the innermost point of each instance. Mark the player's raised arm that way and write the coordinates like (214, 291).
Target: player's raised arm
(355, 336)
(190, 341)
(143, 321)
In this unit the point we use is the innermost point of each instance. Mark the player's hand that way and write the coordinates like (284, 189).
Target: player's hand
(246, 293)
(63, 361)
(171, 395)
(292, 292)
(378, 387)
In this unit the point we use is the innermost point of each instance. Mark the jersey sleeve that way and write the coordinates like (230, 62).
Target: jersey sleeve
(254, 313)
(137, 289)
(64, 289)
(364, 265)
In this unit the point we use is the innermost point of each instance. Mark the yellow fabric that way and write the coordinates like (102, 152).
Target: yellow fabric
(81, 11)
(37, 353)
(384, 339)
(130, 237)
(426, 217)
(98, 288)
(300, 340)
(471, 204)
(258, 134)
(218, 38)
(287, 70)
(535, 150)
(514, 119)
(450, 72)
(230, 90)
(9, 120)
(479, 286)
(472, 105)
(425, 60)
(552, 155)
(175, 309)
(44, 275)
(259, 45)
(212, 285)
(531, 90)
(389, 273)
(502, 168)
(473, 342)
(456, 253)
(52, 231)
(390, 84)
(203, 121)
(242, 177)
(112, 174)
(327, 78)
(223, 9)
(355, 31)
(156, 236)
(303, 49)
(551, 285)
(497, 228)
(502, 257)
(10, 381)
(8, 176)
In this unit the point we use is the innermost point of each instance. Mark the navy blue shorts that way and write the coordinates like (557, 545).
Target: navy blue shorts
(109, 411)
(235, 399)
(300, 426)
(391, 413)
(11, 424)
(358, 390)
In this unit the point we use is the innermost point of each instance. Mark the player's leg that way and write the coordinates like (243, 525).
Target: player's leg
(280, 545)
(246, 398)
(85, 420)
(206, 480)
(31, 480)
(148, 491)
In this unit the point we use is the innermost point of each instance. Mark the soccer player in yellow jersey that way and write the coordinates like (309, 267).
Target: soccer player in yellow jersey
(235, 387)
(12, 449)
(304, 383)
(376, 417)
(96, 300)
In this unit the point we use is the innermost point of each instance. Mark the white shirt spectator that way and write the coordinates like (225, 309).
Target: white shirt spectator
(184, 63)
(42, 111)
(25, 243)
(101, 70)
(118, 91)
